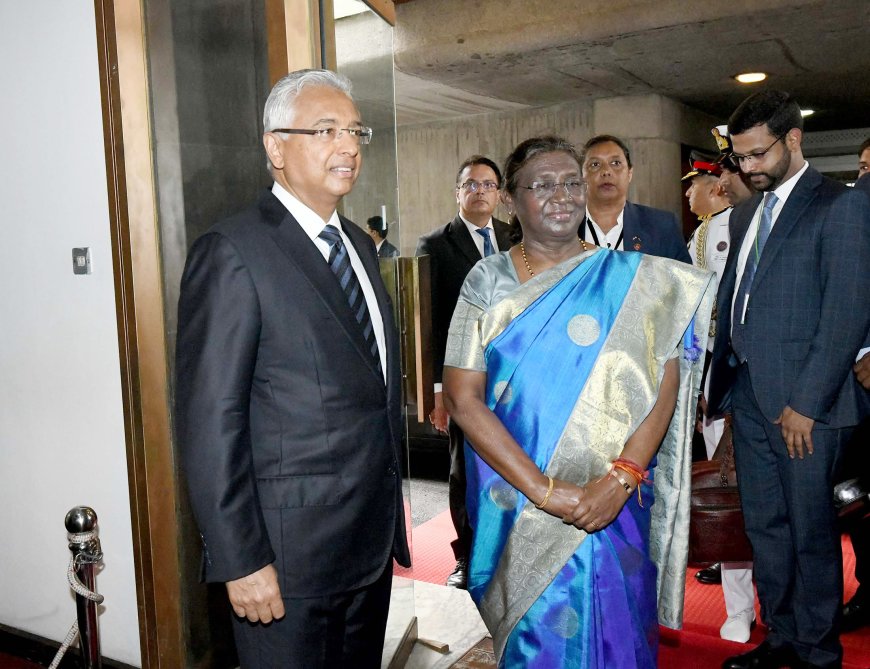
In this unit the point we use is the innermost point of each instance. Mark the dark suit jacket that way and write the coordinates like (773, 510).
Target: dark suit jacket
(453, 254)
(652, 231)
(809, 309)
(288, 435)
(387, 250)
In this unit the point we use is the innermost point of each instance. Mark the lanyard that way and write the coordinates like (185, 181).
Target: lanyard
(595, 236)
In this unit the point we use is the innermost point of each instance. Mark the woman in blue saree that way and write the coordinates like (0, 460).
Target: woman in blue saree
(572, 371)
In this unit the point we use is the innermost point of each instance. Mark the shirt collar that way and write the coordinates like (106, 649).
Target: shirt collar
(618, 218)
(786, 187)
(472, 227)
(308, 220)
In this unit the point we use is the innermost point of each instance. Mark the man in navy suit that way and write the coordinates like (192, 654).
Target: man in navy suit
(288, 399)
(794, 310)
(614, 223)
(856, 612)
(453, 250)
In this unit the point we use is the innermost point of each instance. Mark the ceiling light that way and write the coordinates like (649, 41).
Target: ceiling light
(751, 77)
(807, 112)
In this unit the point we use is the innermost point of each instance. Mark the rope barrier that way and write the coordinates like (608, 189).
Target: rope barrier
(80, 588)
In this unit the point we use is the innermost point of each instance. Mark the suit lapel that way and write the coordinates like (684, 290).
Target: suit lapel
(373, 271)
(461, 238)
(391, 341)
(739, 221)
(630, 235)
(801, 196)
(502, 234)
(303, 254)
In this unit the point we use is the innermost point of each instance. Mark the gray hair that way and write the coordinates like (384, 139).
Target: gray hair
(280, 105)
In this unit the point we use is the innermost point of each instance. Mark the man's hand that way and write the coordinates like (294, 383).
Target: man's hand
(796, 430)
(862, 371)
(439, 416)
(257, 596)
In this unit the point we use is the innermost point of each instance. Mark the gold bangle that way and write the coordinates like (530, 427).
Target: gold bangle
(547, 496)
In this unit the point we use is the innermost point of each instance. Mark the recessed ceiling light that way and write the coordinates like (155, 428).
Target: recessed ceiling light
(751, 77)
(807, 112)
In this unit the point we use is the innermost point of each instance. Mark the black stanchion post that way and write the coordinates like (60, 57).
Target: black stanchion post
(81, 524)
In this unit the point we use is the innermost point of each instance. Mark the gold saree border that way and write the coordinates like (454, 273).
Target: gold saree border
(617, 397)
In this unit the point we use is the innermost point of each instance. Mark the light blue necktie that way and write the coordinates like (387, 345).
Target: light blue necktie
(487, 242)
(762, 233)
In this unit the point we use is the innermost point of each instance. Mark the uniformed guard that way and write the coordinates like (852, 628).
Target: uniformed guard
(708, 245)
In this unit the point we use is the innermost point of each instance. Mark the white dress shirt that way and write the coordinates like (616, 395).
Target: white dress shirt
(477, 238)
(611, 240)
(313, 225)
(782, 192)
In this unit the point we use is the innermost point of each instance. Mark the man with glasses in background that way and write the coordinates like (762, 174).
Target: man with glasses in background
(793, 312)
(614, 223)
(288, 398)
(453, 250)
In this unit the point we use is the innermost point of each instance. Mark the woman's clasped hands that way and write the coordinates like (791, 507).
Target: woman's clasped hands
(590, 508)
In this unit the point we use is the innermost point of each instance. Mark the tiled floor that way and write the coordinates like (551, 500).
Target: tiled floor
(444, 615)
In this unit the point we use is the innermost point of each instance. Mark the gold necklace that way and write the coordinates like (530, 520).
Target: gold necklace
(526, 259)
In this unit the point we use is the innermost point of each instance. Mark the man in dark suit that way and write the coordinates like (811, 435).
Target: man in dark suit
(614, 223)
(377, 229)
(856, 612)
(793, 309)
(453, 251)
(288, 409)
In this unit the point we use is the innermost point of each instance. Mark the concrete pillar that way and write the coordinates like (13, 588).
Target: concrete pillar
(650, 126)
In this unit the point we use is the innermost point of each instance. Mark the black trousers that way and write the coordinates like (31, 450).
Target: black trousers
(790, 520)
(332, 632)
(456, 492)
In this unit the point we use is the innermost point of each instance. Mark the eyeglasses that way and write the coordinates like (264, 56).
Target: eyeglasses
(362, 134)
(542, 190)
(474, 186)
(757, 155)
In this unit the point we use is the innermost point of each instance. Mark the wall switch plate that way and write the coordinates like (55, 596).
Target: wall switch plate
(81, 260)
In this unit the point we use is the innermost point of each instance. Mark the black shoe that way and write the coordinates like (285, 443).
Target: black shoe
(763, 656)
(712, 575)
(459, 577)
(856, 614)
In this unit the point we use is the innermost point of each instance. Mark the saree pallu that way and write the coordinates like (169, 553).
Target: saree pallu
(574, 360)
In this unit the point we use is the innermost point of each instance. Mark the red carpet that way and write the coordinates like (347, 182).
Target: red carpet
(696, 646)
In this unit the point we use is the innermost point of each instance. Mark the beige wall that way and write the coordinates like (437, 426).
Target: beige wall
(653, 126)
(62, 424)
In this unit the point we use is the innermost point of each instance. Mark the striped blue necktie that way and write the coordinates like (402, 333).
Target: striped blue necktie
(339, 263)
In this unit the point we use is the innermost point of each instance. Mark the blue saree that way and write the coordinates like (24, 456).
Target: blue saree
(573, 359)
